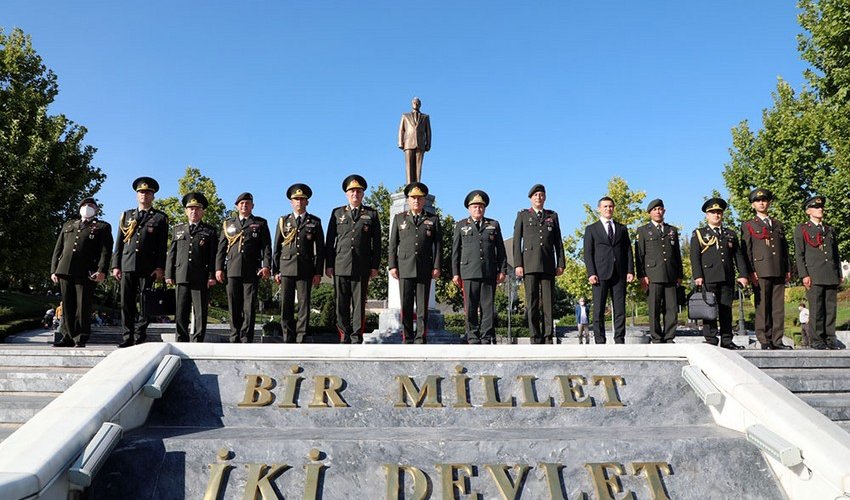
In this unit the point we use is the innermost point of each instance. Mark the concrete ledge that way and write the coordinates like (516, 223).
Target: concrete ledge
(18, 485)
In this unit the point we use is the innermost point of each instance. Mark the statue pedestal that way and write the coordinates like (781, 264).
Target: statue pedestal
(389, 321)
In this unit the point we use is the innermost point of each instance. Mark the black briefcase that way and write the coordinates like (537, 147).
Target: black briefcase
(159, 301)
(702, 304)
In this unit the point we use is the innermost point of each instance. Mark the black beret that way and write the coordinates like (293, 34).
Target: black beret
(535, 188)
(760, 194)
(195, 200)
(714, 204)
(88, 200)
(354, 181)
(299, 190)
(145, 184)
(476, 196)
(244, 196)
(416, 189)
(815, 201)
(657, 202)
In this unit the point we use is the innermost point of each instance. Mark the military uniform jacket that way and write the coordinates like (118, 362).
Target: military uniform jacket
(537, 244)
(299, 250)
(353, 247)
(415, 249)
(766, 248)
(478, 254)
(244, 249)
(82, 249)
(191, 257)
(658, 255)
(141, 243)
(817, 254)
(714, 256)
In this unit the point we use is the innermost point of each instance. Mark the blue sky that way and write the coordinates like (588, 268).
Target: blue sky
(262, 94)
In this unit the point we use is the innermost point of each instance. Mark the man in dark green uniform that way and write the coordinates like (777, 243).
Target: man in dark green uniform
(244, 257)
(658, 260)
(299, 256)
(191, 267)
(80, 261)
(478, 265)
(352, 257)
(766, 249)
(538, 258)
(715, 254)
(139, 258)
(414, 260)
(818, 264)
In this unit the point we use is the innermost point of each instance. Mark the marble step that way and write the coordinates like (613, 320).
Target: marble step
(18, 407)
(812, 380)
(39, 379)
(7, 429)
(798, 358)
(835, 405)
(37, 356)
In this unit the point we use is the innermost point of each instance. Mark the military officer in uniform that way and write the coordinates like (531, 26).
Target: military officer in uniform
(538, 258)
(478, 265)
(139, 258)
(191, 267)
(244, 257)
(352, 258)
(658, 261)
(80, 261)
(715, 255)
(299, 256)
(415, 253)
(766, 249)
(818, 264)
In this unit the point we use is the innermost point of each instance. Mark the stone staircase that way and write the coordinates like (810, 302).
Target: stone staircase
(820, 378)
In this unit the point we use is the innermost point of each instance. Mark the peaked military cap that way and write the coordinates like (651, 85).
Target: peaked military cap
(195, 200)
(354, 181)
(535, 189)
(299, 190)
(657, 202)
(86, 201)
(476, 196)
(244, 196)
(815, 201)
(760, 194)
(714, 204)
(416, 189)
(145, 184)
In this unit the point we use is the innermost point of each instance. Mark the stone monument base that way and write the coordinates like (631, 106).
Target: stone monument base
(390, 330)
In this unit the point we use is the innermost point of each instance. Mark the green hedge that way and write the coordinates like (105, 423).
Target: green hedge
(18, 325)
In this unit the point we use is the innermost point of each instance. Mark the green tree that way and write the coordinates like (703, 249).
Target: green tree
(380, 199)
(445, 290)
(45, 166)
(194, 181)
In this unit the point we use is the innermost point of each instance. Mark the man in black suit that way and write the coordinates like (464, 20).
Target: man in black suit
(139, 258)
(191, 267)
(610, 265)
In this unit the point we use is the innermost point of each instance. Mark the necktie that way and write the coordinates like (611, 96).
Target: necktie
(355, 213)
(478, 225)
(660, 229)
(820, 228)
(142, 214)
(416, 219)
(610, 231)
(767, 223)
(298, 221)
(540, 216)
(242, 222)
(192, 228)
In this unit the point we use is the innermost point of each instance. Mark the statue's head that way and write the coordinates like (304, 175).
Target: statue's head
(416, 103)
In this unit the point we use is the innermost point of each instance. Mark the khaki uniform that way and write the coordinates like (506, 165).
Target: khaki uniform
(658, 256)
(817, 257)
(191, 264)
(766, 249)
(299, 254)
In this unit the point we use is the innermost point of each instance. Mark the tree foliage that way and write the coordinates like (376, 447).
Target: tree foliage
(803, 145)
(45, 166)
(380, 199)
(194, 181)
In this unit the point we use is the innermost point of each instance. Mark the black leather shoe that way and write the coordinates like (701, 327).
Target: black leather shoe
(64, 342)
(820, 347)
(126, 343)
(834, 347)
(767, 347)
(732, 347)
(782, 347)
(80, 344)
(669, 341)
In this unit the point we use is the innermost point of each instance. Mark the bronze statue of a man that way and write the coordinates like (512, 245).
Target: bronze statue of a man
(414, 137)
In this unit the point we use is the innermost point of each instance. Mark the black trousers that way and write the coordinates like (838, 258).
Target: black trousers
(295, 331)
(77, 296)
(769, 298)
(134, 287)
(662, 301)
(351, 294)
(539, 288)
(822, 307)
(480, 294)
(725, 292)
(197, 300)
(414, 291)
(242, 304)
(616, 288)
